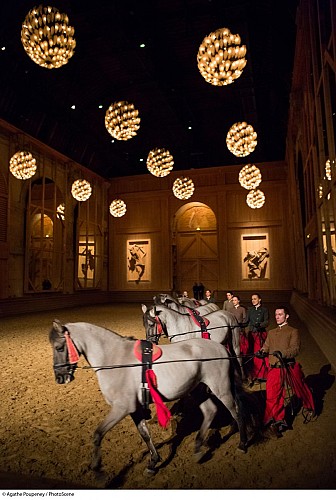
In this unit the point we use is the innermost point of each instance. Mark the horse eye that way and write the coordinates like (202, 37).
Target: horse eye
(60, 348)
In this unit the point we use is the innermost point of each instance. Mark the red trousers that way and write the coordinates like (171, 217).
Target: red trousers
(259, 368)
(277, 380)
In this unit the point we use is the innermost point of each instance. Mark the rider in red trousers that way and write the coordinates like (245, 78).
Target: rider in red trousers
(282, 345)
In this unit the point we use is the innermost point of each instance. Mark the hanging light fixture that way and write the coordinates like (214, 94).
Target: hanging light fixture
(249, 177)
(81, 190)
(241, 139)
(221, 57)
(47, 37)
(122, 120)
(255, 198)
(160, 162)
(60, 211)
(183, 188)
(118, 208)
(328, 169)
(22, 165)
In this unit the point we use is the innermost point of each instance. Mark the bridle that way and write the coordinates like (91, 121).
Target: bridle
(160, 328)
(71, 355)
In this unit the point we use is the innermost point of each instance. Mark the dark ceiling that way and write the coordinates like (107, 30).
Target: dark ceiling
(162, 80)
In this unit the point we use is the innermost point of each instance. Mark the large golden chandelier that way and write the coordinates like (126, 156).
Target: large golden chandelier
(241, 139)
(22, 165)
(249, 177)
(47, 37)
(221, 57)
(183, 188)
(160, 162)
(81, 190)
(122, 120)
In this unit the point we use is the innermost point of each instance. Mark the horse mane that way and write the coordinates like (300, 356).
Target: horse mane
(53, 334)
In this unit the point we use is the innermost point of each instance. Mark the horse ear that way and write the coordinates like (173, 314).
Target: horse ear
(144, 308)
(57, 326)
(152, 312)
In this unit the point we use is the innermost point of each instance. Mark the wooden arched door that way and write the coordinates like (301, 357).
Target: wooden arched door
(196, 248)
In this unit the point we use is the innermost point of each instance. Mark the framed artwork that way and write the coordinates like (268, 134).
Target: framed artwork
(138, 260)
(255, 256)
(86, 263)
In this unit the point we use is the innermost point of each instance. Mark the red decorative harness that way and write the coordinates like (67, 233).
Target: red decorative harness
(200, 321)
(146, 352)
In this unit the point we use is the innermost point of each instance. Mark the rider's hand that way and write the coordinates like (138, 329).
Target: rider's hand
(277, 354)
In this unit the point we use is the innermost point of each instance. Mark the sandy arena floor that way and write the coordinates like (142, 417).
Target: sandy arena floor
(46, 429)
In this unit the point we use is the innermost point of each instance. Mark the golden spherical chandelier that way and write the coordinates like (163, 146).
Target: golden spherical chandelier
(249, 177)
(241, 139)
(327, 169)
(47, 37)
(122, 120)
(22, 165)
(60, 211)
(118, 208)
(81, 190)
(160, 162)
(255, 198)
(183, 188)
(221, 57)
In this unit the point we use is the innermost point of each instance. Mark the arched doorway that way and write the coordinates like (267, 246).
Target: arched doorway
(195, 249)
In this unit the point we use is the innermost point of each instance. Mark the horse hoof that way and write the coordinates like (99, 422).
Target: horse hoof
(149, 472)
(242, 448)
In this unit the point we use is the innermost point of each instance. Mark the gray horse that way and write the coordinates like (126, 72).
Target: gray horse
(179, 325)
(181, 305)
(179, 370)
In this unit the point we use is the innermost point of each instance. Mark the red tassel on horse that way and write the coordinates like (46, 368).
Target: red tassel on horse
(163, 413)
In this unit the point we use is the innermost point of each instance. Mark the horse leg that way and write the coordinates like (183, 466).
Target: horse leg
(112, 418)
(141, 425)
(209, 410)
(234, 409)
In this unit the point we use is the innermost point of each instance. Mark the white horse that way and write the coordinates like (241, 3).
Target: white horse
(181, 306)
(223, 327)
(179, 370)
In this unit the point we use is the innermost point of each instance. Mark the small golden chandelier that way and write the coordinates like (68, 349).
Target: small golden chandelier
(118, 208)
(327, 169)
(60, 211)
(249, 177)
(160, 162)
(183, 188)
(241, 139)
(47, 38)
(255, 198)
(221, 57)
(81, 190)
(22, 165)
(122, 120)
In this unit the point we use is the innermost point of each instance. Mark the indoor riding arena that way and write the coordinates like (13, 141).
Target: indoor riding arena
(166, 152)
(46, 429)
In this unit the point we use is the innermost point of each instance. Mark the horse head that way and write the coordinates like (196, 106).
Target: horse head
(152, 323)
(65, 353)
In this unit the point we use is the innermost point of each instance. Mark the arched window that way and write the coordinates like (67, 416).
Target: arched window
(45, 237)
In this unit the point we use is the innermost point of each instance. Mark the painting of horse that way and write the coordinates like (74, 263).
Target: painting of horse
(119, 375)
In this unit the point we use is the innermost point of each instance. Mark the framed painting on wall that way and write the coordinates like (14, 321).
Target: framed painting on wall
(138, 260)
(255, 256)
